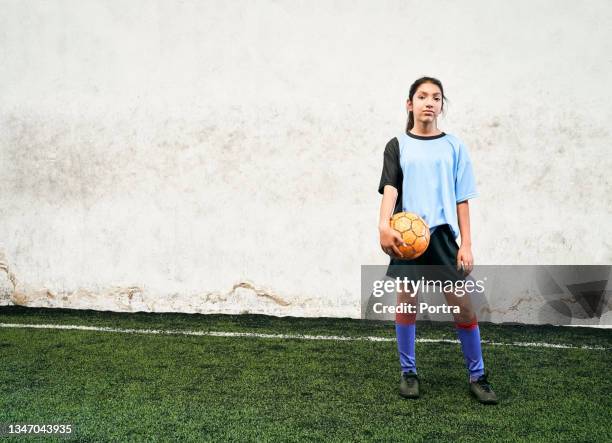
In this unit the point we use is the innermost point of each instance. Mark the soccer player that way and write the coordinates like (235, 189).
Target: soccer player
(429, 172)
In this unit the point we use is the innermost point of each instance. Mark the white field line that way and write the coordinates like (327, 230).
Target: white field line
(286, 336)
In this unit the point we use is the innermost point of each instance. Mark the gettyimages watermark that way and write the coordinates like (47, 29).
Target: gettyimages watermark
(528, 294)
(411, 288)
(405, 284)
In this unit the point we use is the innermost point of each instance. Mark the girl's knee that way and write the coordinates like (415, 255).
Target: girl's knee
(467, 318)
(406, 317)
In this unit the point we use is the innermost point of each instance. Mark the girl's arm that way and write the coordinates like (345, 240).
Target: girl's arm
(463, 215)
(386, 206)
(389, 238)
(464, 256)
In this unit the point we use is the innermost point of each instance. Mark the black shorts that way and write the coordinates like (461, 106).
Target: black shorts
(439, 261)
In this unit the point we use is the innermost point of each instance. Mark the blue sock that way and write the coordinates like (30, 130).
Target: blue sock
(469, 335)
(405, 345)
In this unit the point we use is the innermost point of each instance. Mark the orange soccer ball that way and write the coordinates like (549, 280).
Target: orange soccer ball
(414, 231)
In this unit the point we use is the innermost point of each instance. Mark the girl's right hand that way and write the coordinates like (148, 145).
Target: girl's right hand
(390, 239)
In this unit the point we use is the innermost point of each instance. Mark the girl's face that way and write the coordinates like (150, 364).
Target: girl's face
(426, 104)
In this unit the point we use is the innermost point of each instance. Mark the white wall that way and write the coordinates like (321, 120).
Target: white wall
(155, 153)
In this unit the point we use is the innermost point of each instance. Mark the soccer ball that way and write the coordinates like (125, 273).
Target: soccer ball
(414, 231)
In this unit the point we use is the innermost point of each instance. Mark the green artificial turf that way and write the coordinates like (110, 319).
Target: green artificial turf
(135, 387)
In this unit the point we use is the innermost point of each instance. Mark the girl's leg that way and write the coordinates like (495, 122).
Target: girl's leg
(468, 333)
(405, 330)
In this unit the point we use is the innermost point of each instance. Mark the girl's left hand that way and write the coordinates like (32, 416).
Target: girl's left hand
(465, 256)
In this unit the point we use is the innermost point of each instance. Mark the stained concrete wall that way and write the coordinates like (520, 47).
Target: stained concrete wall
(210, 156)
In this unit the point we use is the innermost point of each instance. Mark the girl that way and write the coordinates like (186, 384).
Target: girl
(429, 172)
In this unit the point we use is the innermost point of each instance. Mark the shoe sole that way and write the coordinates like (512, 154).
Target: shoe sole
(412, 396)
(484, 402)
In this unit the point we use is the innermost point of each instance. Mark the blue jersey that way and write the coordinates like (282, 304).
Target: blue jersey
(432, 174)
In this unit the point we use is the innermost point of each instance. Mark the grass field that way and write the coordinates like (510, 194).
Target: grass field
(119, 386)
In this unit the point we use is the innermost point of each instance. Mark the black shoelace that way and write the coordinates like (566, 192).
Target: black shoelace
(482, 381)
(410, 379)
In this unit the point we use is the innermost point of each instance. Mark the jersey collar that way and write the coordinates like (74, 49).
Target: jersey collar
(425, 137)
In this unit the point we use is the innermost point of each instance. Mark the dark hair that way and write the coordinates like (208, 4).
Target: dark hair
(413, 89)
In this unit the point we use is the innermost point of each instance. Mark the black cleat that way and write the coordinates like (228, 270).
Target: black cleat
(481, 389)
(409, 385)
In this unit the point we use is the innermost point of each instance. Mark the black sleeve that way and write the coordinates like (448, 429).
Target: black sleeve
(392, 171)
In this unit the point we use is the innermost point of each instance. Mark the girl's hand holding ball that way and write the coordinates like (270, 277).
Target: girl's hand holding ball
(390, 241)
